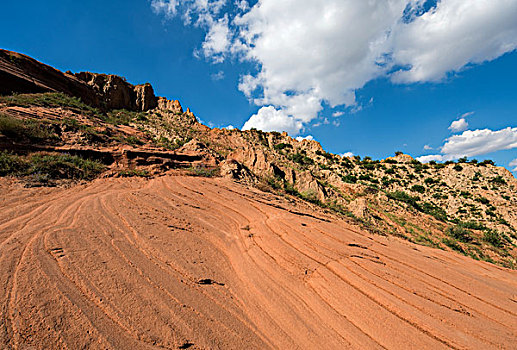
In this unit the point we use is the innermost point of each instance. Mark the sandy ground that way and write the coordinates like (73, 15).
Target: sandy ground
(183, 262)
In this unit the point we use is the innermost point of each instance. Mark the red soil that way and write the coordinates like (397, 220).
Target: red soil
(183, 262)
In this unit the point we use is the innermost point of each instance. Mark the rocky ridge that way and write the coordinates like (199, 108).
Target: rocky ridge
(467, 206)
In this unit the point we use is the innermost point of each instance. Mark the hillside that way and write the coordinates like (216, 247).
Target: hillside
(468, 206)
(157, 231)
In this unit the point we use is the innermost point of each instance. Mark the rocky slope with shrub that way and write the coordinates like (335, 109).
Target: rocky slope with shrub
(73, 127)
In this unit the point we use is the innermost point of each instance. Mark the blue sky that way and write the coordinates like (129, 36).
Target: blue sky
(354, 82)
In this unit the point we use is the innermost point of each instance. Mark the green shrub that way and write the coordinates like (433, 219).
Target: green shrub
(430, 181)
(49, 166)
(11, 164)
(460, 233)
(25, 130)
(458, 167)
(203, 171)
(349, 178)
(134, 173)
(453, 245)
(368, 166)
(418, 188)
(437, 212)
(486, 162)
(63, 166)
(402, 196)
(301, 159)
(465, 194)
(498, 180)
(494, 238)
(123, 117)
(473, 225)
(281, 146)
(390, 171)
(51, 100)
(483, 200)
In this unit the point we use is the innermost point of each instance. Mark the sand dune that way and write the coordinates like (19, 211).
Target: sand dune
(185, 262)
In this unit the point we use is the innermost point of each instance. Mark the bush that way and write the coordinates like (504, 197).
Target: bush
(24, 130)
(390, 171)
(203, 171)
(472, 225)
(418, 188)
(49, 99)
(281, 146)
(486, 162)
(123, 117)
(494, 238)
(430, 181)
(459, 233)
(134, 172)
(453, 245)
(49, 166)
(349, 178)
(498, 180)
(483, 200)
(368, 166)
(10, 164)
(404, 197)
(63, 166)
(458, 167)
(437, 212)
(301, 159)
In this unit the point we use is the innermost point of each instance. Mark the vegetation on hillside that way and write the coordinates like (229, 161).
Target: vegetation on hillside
(468, 206)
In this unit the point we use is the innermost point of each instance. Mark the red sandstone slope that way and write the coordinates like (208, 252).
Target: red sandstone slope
(184, 262)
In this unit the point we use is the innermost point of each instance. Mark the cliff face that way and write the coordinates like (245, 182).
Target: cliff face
(22, 74)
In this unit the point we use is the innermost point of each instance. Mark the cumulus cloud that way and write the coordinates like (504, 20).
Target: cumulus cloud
(310, 53)
(271, 119)
(427, 147)
(301, 138)
(217, 40)
(347, 154)
(431, 157)
(459, 125)
(166, 7)
(452, 35)
(475, 142)
(513, 164)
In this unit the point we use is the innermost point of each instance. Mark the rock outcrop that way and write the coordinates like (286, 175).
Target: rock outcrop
(22, 74)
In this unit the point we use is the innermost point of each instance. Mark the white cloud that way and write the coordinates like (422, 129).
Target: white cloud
(271, 119)
(217, 76)
(427, 147)
(230, 127)
(337, 114)
(475, 142)
(456, 33)
(459, 125)
(428, 158)
(167, 7)
(309, 53)
(347, 154)
(217, 40)
(513, 164)
(301, 138)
